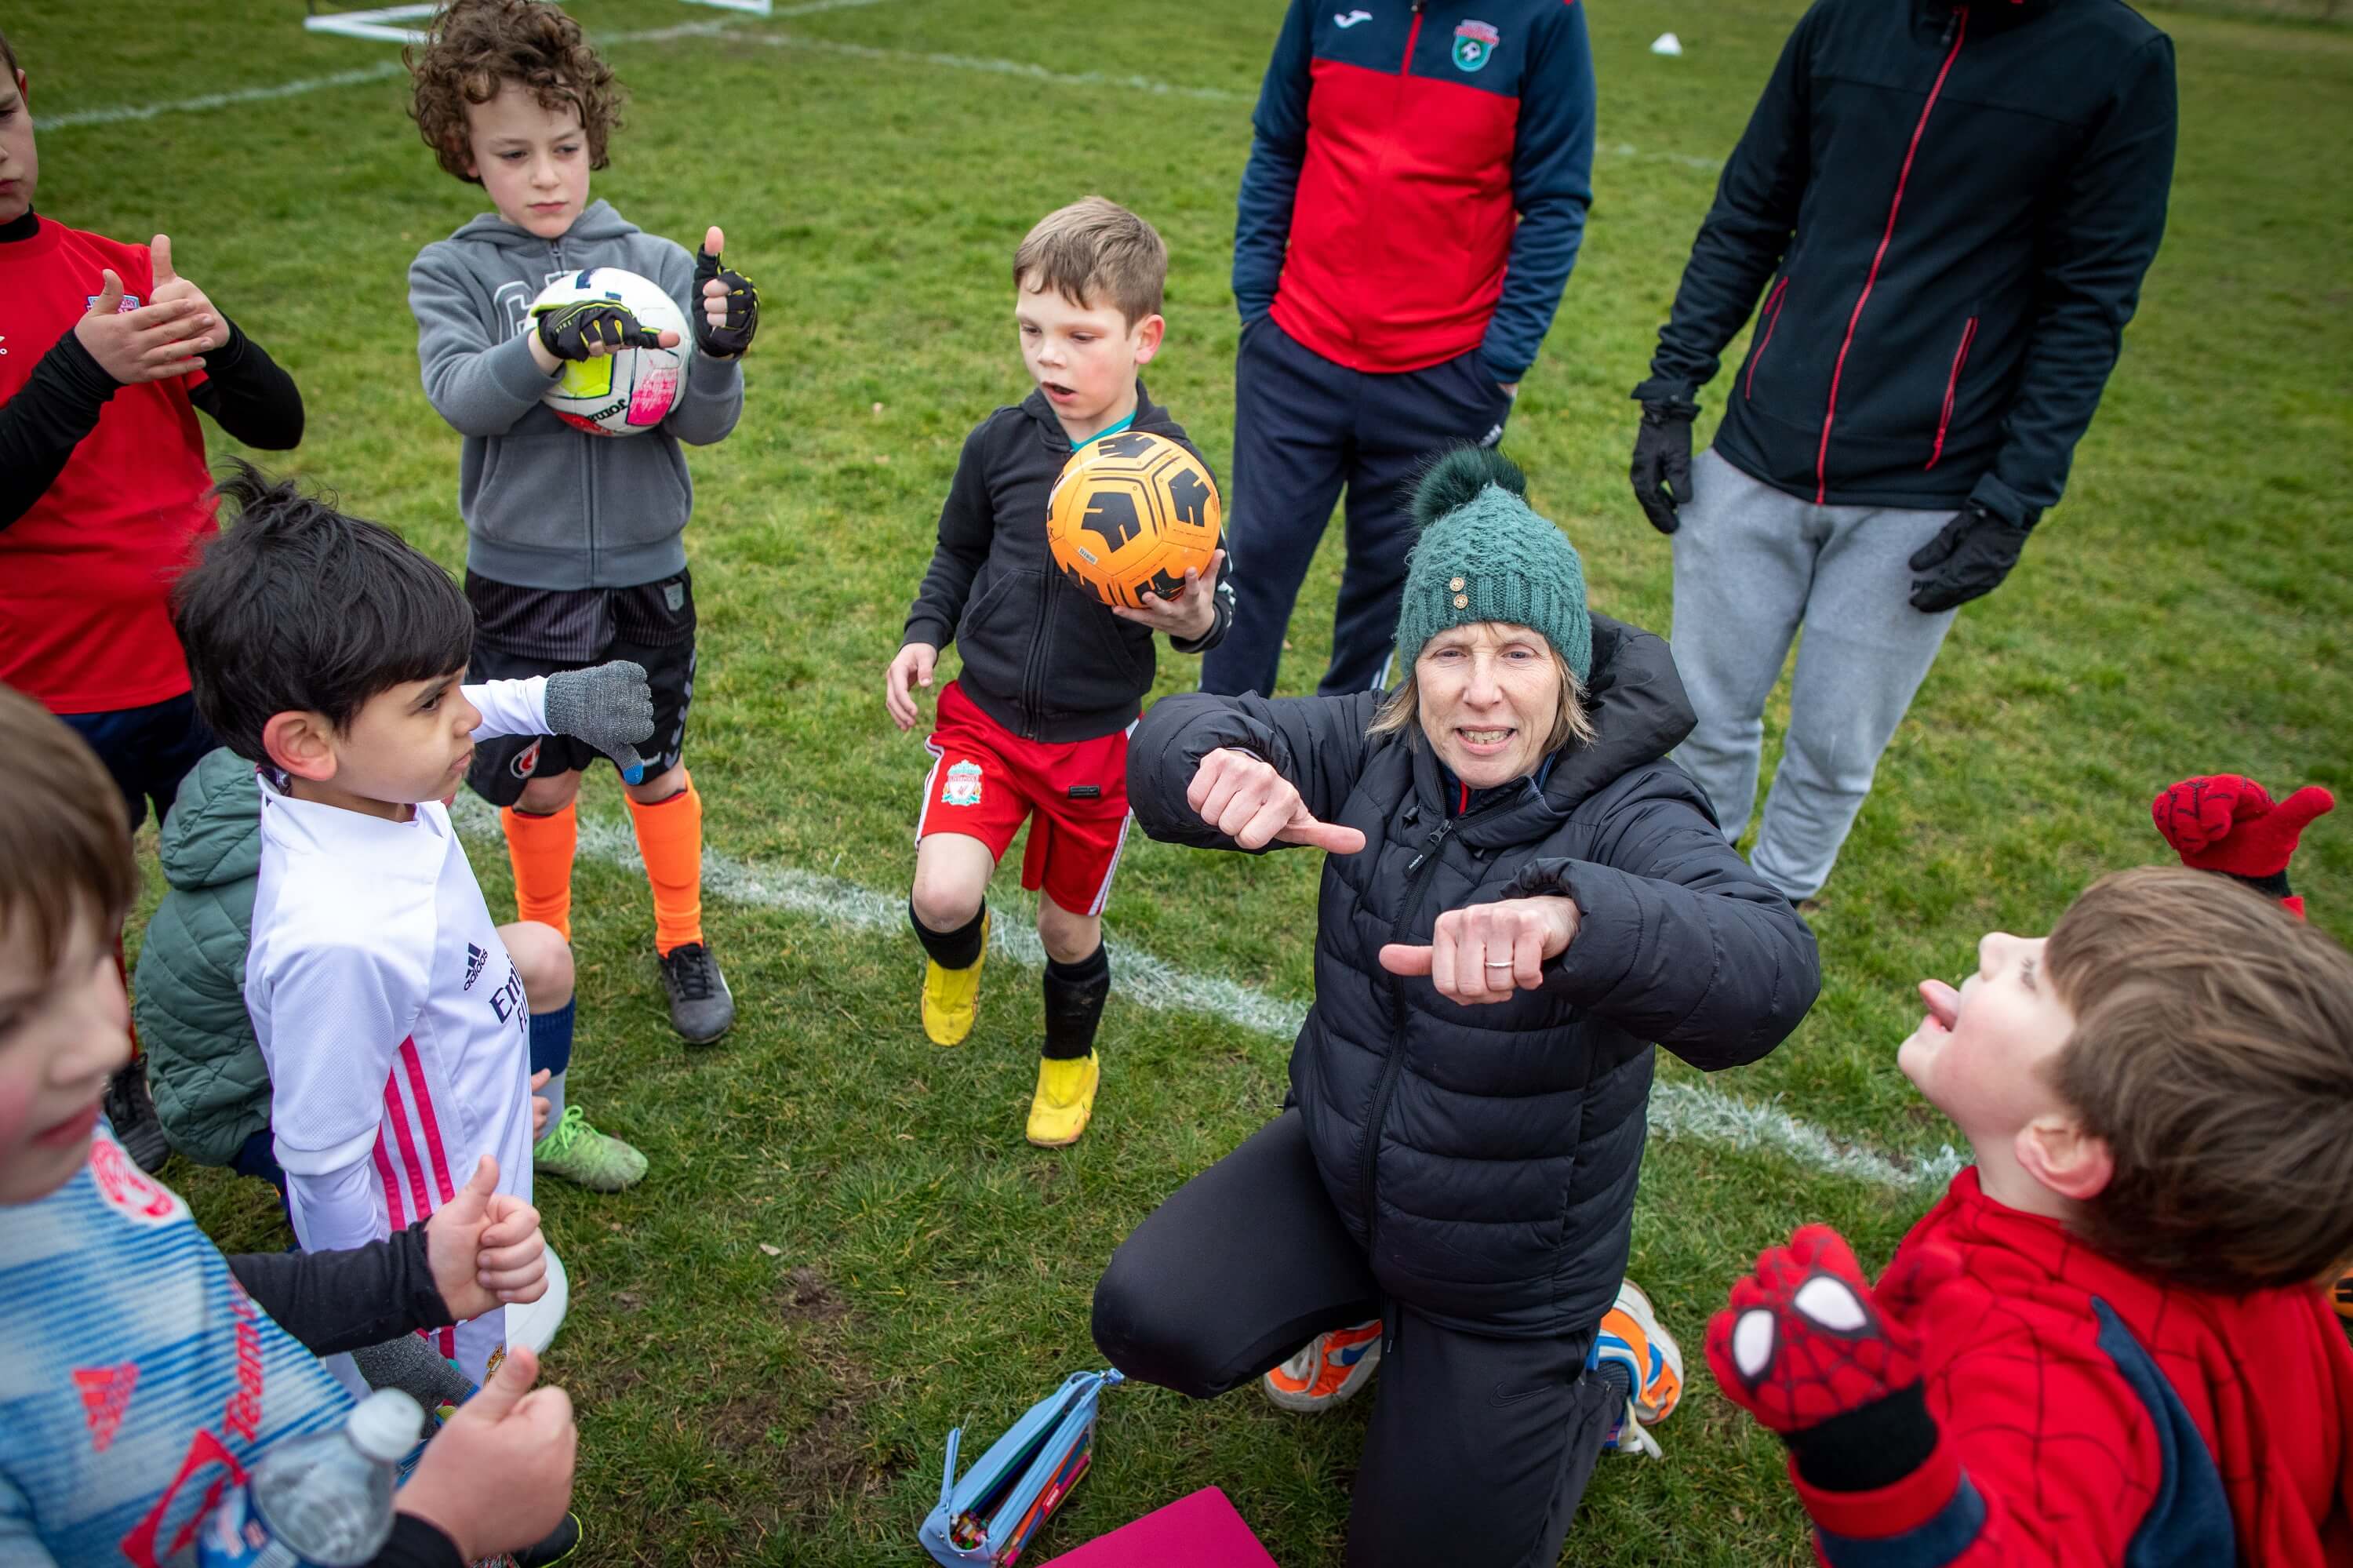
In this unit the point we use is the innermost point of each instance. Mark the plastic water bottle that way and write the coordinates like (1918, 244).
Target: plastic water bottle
(322, 1502)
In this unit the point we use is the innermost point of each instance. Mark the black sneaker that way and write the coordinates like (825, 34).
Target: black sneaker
(561, 1542)
(132, 1111)
(701, 1006)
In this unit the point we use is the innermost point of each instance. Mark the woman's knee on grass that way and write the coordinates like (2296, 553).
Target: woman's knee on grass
(543, 958)
(1136, 1329)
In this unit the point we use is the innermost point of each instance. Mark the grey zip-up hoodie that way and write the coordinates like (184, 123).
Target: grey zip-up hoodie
(547, 506)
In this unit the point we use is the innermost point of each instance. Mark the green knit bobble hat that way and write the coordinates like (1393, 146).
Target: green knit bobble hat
(1484, 555)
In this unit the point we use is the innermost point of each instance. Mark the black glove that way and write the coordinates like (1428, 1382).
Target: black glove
(1966, 559)
(734, 336)
(1662, 458)
(577, 329)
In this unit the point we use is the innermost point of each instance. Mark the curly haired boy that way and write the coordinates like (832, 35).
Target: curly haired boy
(574, 552)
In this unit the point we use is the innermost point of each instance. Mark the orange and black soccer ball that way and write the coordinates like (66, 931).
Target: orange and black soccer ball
(1131, 514)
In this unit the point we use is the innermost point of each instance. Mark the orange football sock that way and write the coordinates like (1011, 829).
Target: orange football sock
(670, 838)
(540, 849)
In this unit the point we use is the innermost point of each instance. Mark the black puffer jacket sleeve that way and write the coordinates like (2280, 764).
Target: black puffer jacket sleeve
(1678, 941)
(1317, 743)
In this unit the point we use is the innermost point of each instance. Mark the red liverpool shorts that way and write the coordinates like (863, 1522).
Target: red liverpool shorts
(987, 780)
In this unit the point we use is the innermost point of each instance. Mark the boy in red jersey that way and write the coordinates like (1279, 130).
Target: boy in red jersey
(103, 488)
(2104, 1344)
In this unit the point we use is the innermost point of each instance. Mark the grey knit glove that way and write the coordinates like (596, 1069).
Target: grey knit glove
(610, 707)
(414, 1367)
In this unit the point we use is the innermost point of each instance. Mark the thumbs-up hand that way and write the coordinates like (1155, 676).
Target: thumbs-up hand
(170, 287)
(155, 341)
(485, 1247)
(497, 1476)
(727, 303)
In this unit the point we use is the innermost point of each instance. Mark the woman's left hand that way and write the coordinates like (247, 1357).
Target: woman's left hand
(1487, 952)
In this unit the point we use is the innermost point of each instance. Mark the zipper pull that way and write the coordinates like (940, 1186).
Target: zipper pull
(1430, 845)
(1952, 23)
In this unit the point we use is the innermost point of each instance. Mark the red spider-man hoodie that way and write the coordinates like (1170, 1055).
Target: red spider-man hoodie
(2091, 1416)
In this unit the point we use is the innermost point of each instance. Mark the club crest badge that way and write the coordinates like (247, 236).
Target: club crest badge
(526, 761)
(130, 1189)
(1474, 45)
(963, 787)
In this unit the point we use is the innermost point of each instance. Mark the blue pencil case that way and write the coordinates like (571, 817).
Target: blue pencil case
(989, 1516)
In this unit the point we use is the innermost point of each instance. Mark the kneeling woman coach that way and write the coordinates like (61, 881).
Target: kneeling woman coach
(1521, 894)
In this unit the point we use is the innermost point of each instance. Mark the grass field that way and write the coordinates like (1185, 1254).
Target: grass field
(845, 1247)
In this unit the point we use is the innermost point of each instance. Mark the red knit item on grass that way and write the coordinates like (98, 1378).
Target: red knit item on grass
(2226, 822)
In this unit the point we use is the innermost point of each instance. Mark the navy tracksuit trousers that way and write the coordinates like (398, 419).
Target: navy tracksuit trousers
(1304, 429)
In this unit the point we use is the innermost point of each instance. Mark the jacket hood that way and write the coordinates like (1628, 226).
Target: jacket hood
(1635, 698)
(214, 836)
(599, 221)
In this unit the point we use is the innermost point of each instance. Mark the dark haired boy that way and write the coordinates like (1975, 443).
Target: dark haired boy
(395, 1018)
(147, 1374)
(574, 541)
(103, 487)
(2106, 1344)
(1052, 681)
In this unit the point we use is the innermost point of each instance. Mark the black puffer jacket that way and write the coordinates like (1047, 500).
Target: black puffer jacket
(1486, 1157)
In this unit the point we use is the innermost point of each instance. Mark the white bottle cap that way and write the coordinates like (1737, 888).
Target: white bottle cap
(386, 1426)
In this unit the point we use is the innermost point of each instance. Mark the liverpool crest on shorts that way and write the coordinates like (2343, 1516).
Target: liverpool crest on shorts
(963, 787)
(1474, 45)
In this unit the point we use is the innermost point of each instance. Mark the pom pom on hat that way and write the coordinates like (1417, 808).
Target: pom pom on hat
(1484, 554)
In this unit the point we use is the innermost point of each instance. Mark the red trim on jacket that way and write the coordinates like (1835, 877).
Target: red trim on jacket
(1895, 205)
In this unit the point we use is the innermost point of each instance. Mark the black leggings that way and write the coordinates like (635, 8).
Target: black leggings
(1479, 1448)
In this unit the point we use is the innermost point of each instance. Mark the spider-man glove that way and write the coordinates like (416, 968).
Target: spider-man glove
(1806, 1348)
(576, 329)
(2227, 823)
(731, 336)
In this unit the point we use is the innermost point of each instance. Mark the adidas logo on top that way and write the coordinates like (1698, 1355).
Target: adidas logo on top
(475, 959)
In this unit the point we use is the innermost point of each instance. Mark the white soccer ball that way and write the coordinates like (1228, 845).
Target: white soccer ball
(629, 392)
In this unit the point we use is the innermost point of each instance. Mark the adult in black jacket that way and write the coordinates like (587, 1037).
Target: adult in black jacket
(1947, 210)
(1521, 896)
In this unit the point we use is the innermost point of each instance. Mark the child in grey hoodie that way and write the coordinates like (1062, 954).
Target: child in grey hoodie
(573, 554)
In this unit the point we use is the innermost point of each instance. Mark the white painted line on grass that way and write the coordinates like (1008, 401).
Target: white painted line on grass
(117, 115)
(121, 114)
(1678, 1109)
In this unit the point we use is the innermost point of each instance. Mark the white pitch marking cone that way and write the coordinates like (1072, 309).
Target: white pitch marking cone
(1666, 44)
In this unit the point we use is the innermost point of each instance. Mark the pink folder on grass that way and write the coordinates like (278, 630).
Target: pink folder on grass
(1197, 1532)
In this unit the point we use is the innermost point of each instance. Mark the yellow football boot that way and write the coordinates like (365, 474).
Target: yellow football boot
(952, 997)
(1064, 1100)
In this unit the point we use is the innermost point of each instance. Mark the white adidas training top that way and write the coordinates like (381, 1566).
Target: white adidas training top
(393, 1021)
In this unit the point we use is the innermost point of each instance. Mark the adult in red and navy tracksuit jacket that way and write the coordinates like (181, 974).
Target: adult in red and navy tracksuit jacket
(1946, 209)
(1415, 195)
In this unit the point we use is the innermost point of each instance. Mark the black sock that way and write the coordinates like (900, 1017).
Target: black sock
(1074, 1002)
(956, 949)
